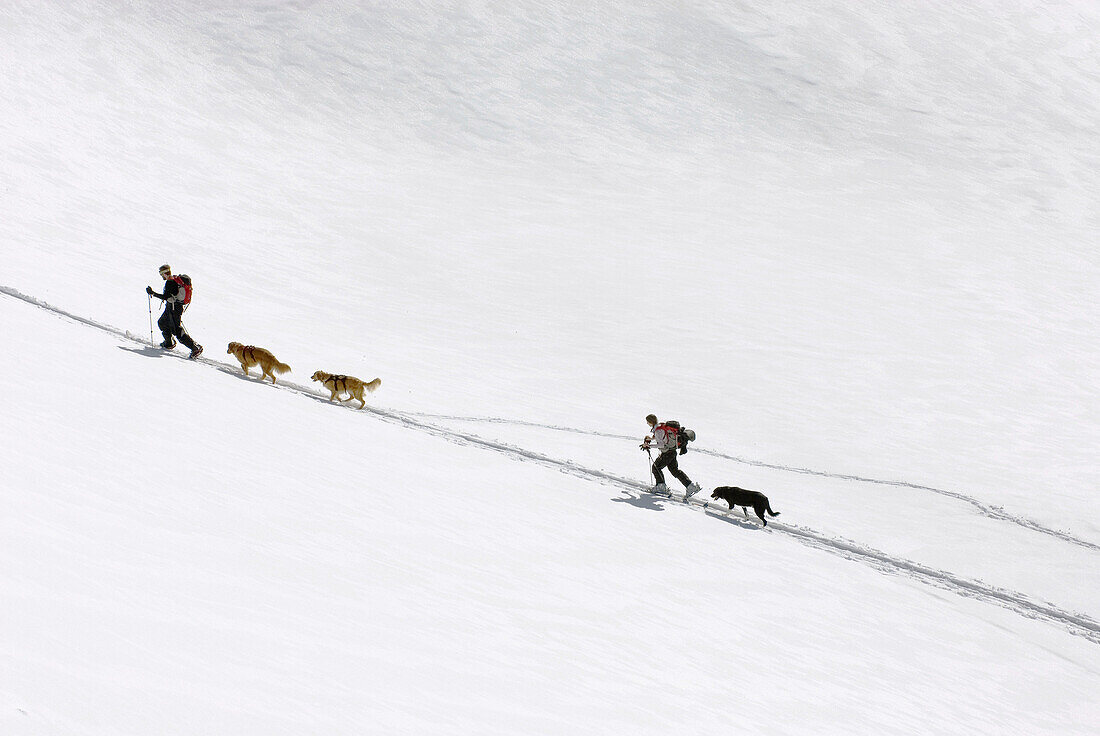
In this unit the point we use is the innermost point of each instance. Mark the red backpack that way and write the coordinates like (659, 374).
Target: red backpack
(683, 436)
(183, 295)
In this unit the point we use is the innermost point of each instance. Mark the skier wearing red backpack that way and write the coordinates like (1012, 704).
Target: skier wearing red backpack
(176, 297)
(668, 438)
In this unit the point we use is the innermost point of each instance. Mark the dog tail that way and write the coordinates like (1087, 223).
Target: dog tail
(373, 385)
(280, 368)
(769, 510)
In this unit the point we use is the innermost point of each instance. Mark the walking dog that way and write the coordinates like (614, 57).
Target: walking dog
(250, 356)
(735, 496)
(349, 385)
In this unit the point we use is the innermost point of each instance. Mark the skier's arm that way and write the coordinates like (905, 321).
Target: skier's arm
(171, 288)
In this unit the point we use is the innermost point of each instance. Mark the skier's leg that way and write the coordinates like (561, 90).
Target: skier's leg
(181, 333)
(674, 468)
(167, 328)
(176, 319)
(659, 463)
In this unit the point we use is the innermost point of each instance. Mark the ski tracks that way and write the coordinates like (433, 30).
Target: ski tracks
(991, 512)
(1075, 623)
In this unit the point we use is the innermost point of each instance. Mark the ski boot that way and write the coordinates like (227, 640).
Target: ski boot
(196, 352)
(691, 490)
(660, 490)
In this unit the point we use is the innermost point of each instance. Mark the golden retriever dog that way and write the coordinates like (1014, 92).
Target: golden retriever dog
(349, 385)
(250, 356)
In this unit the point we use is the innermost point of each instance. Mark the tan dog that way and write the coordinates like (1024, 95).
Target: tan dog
(250, 355)
(349, 385)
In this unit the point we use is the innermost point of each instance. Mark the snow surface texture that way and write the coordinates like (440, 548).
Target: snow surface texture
(852, 245)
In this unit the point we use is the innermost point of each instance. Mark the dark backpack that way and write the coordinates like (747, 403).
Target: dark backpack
(683, 436)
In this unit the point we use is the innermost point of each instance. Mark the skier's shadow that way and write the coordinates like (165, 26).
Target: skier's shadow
(148, 351)
(159, 352)
(643, 501)
(649, 502)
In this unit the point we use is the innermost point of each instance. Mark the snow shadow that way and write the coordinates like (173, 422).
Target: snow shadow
(642, 501)
(148, 351)
(729, 517)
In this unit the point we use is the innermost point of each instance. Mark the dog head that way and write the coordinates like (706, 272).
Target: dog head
(233, 348)
(717, 493)
(319, 376)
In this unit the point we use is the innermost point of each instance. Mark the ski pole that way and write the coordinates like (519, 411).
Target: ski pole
(649, 453)
(152, 341)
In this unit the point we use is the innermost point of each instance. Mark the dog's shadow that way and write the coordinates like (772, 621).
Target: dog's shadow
(730, 516)
(236, 372)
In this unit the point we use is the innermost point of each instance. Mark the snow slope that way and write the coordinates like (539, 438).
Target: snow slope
(851, 245)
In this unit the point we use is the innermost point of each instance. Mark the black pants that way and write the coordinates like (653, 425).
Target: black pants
(171, 325)
(667, 459)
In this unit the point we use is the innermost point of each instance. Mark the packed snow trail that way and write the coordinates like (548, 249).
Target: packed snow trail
(991, 512)
(1074, 623)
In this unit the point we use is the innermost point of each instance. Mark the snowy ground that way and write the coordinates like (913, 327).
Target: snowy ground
(852, 246)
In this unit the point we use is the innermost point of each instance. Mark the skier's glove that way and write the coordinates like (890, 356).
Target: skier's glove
(149, 290)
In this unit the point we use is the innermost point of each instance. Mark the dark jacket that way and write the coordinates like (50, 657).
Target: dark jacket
(171, 322)
(171, 292)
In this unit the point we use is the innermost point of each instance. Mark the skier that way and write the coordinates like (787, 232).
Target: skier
(665, 438)
(177, 295)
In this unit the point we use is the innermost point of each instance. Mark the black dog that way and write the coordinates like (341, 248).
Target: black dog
(740, 497)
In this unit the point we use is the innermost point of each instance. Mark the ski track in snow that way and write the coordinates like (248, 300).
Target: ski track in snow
(991, 512)
(1075, 623)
